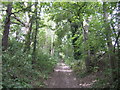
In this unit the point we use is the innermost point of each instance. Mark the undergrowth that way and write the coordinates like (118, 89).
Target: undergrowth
(77, 66)
(18, 70)
(103, 81)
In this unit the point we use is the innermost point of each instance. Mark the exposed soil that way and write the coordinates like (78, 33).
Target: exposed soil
(62, 77)
(89, 80)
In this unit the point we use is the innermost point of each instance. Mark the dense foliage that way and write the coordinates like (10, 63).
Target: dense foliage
(35, 35)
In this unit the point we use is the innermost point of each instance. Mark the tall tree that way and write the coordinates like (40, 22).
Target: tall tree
(7, 27)
(118, 43)
(108, 33)
(86, 50)
(36, 31)
(28, 36)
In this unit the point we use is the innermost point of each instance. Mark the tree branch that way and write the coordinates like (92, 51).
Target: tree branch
(15, 23)
(18, 19)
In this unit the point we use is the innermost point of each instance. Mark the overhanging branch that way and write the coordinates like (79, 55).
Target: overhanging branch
(15, 17)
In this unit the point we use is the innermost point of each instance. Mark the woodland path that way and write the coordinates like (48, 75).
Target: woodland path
(62, 77)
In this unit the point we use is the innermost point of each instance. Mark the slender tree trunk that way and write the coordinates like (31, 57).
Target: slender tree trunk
(109, 42)
(118, 44)
(28, 41)
(86, 51)
(6, 27)
(35, 37)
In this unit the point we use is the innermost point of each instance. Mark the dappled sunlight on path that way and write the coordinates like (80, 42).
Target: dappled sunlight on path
(61, 67)
(62, 77)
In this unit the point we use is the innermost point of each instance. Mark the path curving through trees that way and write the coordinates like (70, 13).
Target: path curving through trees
(62, 77)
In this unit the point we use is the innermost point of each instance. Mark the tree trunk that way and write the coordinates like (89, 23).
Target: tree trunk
(28, 41)
(109, 42)
(6, 27)
(86, 51)
(118, 44)
(35, 35)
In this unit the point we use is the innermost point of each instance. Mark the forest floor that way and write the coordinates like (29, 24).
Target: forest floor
(64, 77)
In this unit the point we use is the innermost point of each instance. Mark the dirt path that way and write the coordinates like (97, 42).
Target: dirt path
(62, 77)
